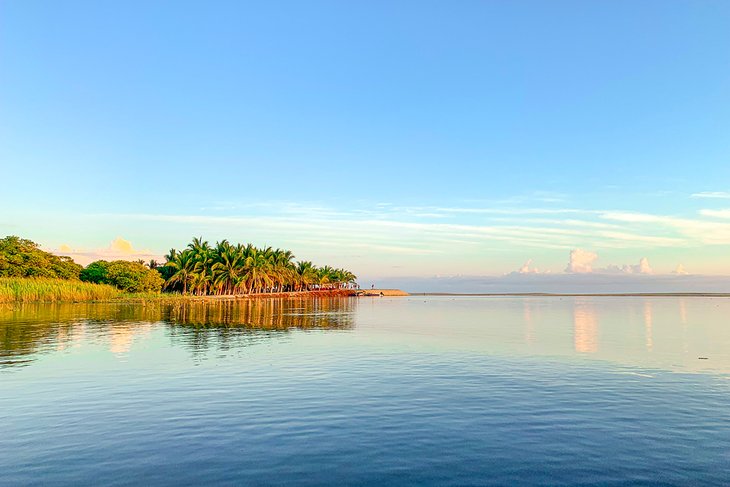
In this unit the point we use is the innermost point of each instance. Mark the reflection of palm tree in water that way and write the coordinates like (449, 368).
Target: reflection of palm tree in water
(26, 329)
(274, 313)
(232, 325)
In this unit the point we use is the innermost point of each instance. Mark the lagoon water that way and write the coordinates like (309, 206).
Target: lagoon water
(368, 391)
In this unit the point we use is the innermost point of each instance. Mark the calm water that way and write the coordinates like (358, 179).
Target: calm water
(381, 391)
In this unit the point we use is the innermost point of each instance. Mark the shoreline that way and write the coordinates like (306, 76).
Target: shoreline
(325, 293)
(210, 298)
(162, 297)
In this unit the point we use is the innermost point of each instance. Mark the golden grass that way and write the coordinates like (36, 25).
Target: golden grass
(26, 290)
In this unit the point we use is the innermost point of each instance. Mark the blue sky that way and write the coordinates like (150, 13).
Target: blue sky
(392, 138)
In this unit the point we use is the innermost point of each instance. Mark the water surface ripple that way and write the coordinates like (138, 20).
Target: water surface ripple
(382, 391)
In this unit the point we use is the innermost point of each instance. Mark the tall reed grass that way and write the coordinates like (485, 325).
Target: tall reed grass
(25, 290)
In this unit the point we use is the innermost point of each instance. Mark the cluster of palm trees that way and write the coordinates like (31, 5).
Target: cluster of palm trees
(225, 268)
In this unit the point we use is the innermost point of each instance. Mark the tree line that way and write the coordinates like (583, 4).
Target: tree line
(200, 269)
(225, 268)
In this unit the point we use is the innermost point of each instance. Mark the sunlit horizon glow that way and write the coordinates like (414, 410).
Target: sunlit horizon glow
(400, 141)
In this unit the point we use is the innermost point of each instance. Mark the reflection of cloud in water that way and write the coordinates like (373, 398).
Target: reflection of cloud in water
(120, 340)
(634, 331)
(683, 310)
(648, 324)
(122, 337)
(585, 327)
(529, 323)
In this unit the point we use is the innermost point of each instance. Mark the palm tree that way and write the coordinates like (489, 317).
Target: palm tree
(257, 276)
(325, 275)
(306, 274)
(228, 269)
(282, 271)
(204, 258)
(199, 282)
(231, 269)
(183, 266)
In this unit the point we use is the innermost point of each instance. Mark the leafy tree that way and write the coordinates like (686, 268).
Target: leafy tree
(128, 276)
(95, 272)
(22, 258)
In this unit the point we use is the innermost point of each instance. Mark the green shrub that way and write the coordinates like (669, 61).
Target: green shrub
(128, 276)
(95, 272)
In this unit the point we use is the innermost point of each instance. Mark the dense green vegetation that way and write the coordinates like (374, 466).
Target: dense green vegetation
(23, 258)
(20, 289)
(132, 277)
(28, 273)
(225, 268)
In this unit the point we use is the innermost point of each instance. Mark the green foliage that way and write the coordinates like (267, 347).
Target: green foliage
(95, 272)
(200, 268)
(22, 258)
(23, 289)
(128, 276)
(235, 269)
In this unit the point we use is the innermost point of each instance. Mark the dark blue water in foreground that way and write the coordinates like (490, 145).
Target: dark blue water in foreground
(384, 391)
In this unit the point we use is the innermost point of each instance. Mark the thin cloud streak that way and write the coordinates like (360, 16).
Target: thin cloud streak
(712, 195)
(625, 230)
(461, 237)
(716, 213)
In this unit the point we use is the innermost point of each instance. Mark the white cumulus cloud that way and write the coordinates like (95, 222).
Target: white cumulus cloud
(528, 268)
(581, 261)
(680, 271)
(642, 267)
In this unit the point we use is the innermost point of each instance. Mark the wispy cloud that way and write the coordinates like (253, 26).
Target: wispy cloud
(716, 213)
(697, 231)
(451, 232)
(712, 195)
(613, 229)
